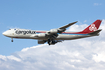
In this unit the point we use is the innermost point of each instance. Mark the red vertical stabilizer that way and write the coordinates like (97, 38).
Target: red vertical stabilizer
(93, 27)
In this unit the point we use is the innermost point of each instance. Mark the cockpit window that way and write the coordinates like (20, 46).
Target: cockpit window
(12, 29)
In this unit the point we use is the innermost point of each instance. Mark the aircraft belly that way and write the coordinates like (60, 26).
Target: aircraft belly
(71, 37)
(21, 36)
(60, 37)
(28, 36)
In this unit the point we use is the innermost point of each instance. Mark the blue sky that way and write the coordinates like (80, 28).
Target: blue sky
(44, 15)
(23, 54)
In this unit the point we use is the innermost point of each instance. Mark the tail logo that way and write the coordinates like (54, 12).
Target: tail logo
(92, 27)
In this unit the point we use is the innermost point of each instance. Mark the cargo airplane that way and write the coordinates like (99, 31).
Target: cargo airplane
(54, 35)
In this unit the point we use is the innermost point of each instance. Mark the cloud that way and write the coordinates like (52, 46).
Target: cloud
(99, 57)
(81, 54)
(97, 4)
(85, 20)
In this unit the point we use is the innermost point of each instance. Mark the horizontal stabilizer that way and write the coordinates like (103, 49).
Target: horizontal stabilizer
(95, 32)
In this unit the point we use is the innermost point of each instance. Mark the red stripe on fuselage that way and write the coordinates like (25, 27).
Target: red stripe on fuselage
(40, 31)
(63, 32)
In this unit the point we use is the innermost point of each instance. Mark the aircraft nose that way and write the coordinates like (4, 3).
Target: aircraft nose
(4, 33)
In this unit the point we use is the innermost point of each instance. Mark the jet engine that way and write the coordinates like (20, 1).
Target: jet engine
(55, 31)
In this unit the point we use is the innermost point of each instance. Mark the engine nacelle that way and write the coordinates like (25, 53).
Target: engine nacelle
(54, 31)
(61, 30)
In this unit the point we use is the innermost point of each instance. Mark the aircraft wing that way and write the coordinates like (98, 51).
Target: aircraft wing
(59, 30)
(53, 33)
(66, 26)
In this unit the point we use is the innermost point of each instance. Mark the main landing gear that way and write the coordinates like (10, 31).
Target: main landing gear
(51, 42)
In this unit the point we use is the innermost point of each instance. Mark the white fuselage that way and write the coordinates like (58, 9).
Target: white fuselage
(54, 35)
(40, 35)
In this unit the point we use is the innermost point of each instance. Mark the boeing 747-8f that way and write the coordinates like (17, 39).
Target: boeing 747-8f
(54, 35)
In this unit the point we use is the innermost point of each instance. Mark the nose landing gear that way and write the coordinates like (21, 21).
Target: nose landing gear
(11, 39)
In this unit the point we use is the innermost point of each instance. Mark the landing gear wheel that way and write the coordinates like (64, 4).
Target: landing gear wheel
(12, 40)
(51, 42)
